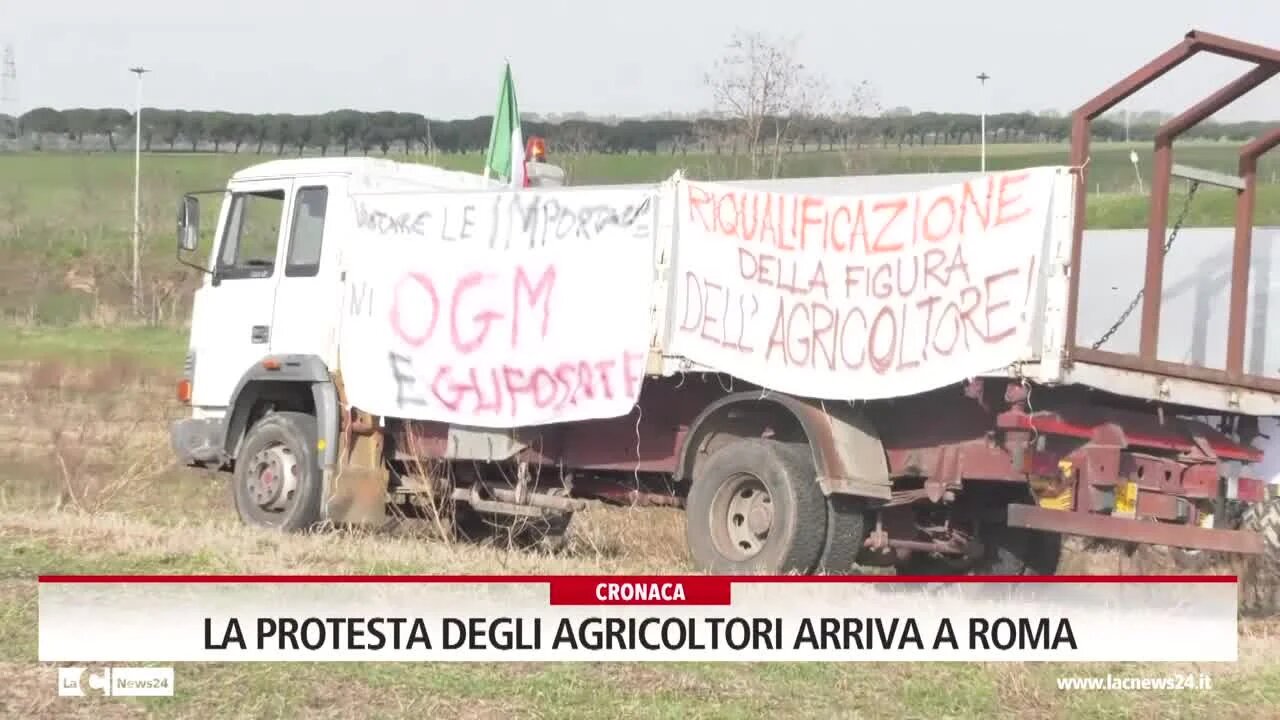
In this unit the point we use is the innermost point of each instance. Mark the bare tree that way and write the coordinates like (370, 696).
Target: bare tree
(579, 139)
(762, 88)
(852, 117)
(576, 142)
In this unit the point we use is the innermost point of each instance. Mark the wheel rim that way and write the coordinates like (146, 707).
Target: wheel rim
(272, 480)
(741, 517)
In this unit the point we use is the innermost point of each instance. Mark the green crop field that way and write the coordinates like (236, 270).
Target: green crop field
(65, 219)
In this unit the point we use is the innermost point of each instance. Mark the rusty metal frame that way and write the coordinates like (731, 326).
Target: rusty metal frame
(1127, 529)
(1267, 64)
(1242, 249)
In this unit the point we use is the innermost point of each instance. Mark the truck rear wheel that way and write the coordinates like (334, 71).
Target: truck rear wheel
(1264, 519)
(847, 526)
(1262, 574)
(276, 483)
(754, 508)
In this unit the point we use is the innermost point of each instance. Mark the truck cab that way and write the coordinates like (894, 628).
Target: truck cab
(272, 284)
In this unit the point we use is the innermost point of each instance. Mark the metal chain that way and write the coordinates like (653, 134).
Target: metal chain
(1177, 225)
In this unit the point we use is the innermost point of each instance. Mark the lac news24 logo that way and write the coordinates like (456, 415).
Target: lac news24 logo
(118, 682)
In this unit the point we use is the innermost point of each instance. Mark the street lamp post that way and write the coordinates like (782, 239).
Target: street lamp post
(983, 78)
(137, 190)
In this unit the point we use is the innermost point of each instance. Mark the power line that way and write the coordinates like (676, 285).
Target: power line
(9, 82)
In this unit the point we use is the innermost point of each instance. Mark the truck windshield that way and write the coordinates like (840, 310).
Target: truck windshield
(253, 231)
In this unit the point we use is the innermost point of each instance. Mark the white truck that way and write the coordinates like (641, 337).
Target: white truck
(823, 372)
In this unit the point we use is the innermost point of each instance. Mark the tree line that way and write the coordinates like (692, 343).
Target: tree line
(350, 131)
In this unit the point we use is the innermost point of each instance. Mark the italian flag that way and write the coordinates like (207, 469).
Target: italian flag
(505, 157)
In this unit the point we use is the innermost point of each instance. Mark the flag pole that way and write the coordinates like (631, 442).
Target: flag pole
(493, 124)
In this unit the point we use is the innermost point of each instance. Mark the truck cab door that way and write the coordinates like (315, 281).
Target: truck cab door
(231, 324)
(308, 289)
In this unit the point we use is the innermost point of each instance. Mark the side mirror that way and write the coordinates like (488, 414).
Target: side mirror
(188, 223)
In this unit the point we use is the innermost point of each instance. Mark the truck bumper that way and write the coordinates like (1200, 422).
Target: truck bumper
(1142, 531)
(198, 441)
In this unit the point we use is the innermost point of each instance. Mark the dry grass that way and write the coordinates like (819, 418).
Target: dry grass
(69, 431)
(29, 693)
(90, 465)
(93, 441)
(409, 548)
(86, 438)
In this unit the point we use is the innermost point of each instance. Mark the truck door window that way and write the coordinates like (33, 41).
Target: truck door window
(253, 232)
(308, 232)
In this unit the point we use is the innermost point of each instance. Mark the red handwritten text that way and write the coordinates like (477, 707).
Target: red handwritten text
(476, 303)
(841, 284)
(872, 226)
(458, 332)
(508, 390)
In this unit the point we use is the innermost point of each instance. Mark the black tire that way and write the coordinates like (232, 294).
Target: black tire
(791, 509)
(847, 527)
(1261, 577)
(290, 436)
(1264, 519)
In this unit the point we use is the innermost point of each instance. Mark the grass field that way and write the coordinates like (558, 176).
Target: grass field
(87, 484)
(65, 219)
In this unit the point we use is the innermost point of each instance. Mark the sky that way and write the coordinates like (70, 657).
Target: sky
(443, 58)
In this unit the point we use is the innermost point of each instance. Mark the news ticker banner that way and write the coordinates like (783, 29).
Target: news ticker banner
(687, 618)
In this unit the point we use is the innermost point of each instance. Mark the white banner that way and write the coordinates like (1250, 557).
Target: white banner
(560, 619)
(859, 297)
(499, 309)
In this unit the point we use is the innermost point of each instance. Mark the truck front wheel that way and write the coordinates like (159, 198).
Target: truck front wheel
(276, 483)
(756, 507)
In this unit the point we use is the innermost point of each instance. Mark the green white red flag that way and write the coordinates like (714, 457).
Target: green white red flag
(505, 157)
